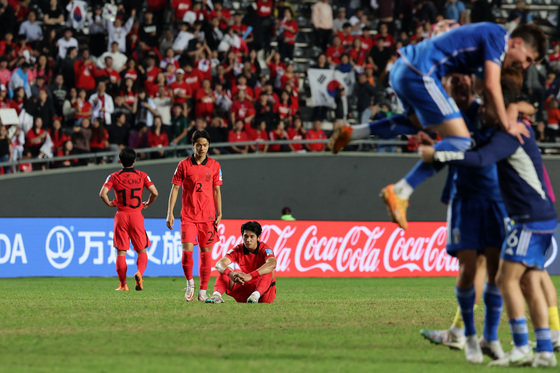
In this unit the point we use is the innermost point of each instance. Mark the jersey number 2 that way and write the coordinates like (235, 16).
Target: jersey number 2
(133, 197)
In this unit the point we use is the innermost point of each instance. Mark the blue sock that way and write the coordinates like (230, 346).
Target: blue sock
(465, 298)
(421, 171)
(519, 331)
(388, 128)
(544, 343)
(493, 301)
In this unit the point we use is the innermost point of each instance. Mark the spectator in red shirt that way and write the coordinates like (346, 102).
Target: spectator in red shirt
(241, 29)
(260, 134)
(296, 132)
(35, 137)
(290, 77)
(180, 92)
(99, 141)
(82, 107)
(242, 109)
(237, 134)
(279, 133)
(335, 51)
(316, 133)
(358, 55)
(242, 86)
(181, 7)
(58, 137)
(111, 76)
(151, 74)
(554, 57)
(223, 15)
(285, 107)
(383, 34)
(346, 37)
(366, 39)
(85, 74)
(204, 101)
(130, 71)
(157, 138)
(276, 67)
(287, 29)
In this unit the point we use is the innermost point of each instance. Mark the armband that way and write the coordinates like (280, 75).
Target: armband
(254, 274)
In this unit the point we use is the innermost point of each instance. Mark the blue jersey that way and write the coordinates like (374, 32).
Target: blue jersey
(471, 182)
(520, 173)
(461, 50)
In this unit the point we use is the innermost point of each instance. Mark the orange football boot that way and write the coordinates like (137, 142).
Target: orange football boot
(139, 281)
(340, 138)
(396, 206)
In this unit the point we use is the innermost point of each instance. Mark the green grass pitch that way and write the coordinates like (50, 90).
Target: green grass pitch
(315, 325)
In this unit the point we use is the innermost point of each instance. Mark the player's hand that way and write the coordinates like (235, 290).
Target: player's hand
(113, 203)
(237, 278)
(170, 221)
(217, 222)
(145, 205)
(518, 130)
(426, 152)
(245, 277)
(424, 139)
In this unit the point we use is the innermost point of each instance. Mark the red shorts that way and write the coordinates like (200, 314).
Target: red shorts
(241, 292)
(130, 227)
(205, 232)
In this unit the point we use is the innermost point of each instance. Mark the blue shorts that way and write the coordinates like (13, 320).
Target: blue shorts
(527, 243)
(422, 94)
(475, 224)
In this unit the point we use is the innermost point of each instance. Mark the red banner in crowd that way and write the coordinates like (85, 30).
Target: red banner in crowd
(349, 249)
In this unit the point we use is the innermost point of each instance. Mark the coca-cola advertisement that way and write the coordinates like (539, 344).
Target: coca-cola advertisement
(349, 249)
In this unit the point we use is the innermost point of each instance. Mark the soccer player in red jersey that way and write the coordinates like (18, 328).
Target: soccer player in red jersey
(255, 281)
(129, 221)
(201, 210)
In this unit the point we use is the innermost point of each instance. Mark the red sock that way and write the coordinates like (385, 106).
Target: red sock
(204, 269)
(187, 263)
(142, 262)
(121, 269)
(221, 284)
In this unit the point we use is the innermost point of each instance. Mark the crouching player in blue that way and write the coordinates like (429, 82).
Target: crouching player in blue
(476, 224)
(528, 204)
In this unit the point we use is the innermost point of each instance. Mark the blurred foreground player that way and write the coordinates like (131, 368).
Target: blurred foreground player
(255, 281)
(201, 210)
(129, 221)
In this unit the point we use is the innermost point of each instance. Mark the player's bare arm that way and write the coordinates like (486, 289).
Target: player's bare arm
(153, 195)
(492, 85)
(103, 194)
(222, 267)
(218, 204)
(426, 152)
(170, 220)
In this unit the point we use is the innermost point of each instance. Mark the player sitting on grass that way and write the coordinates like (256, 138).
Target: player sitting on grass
(255, 281)
(523, 188)
(416, 79)
(129, 221)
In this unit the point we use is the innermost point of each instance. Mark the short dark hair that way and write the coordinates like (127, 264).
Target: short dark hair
(127, 157)
(252, 226)
(198, 134)
(533, 36)
(286, 210)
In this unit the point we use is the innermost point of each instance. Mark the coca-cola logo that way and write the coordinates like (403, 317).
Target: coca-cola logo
(349, 249)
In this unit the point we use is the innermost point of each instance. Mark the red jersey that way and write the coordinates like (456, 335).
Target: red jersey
(157, 140)
(290, 37)
(177, 88)
(82, 107)
(242, 109)
(295, 135)
(367, 42)
(181, 7)
(238, 137)
(316, 135)
(198, 181)
(113, 75)
(260, 135)
(129, 184)
(346, 40)
(98, 141)
(194, 80)
(250, 261)
(265, 8)
(335, 53)
(204, 105)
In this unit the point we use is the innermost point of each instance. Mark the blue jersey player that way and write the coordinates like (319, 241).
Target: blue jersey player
(475, 227)
(528, 204)
(481, 48)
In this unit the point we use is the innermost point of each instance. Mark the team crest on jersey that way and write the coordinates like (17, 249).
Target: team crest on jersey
(268, 251)
(208, 176)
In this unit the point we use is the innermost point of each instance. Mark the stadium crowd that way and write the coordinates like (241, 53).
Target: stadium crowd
(87, 77)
